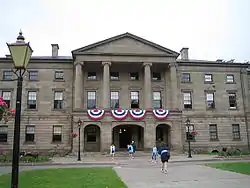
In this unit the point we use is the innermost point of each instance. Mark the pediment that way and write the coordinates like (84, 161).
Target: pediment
(126, 44)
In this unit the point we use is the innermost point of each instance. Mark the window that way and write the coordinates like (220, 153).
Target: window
(59, 75)
(230, 78)
(3, 133)
(30, 133)
(7, 97)
(157, 102)
(186, 77)
(213, 132)
(134, 76)
(57, 134)
(156, 76)
(232, 100)
(114, 75)
(208, 78)
(91, 100)
(210, 100)
(187, 100)
(7, 75)
(92, 76)
(33, 75)
(134, 99)
(190, 136)
(236, 131)
(58, 100)
(31, 100)
(114, 99)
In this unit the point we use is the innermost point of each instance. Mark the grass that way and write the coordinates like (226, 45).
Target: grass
(66, 178)
(240, 167)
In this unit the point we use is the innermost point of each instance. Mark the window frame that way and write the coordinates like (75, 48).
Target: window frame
(7, 77)
(189, 77)
(4, 134)
(8, 102)
(35, 76)
(29, 135)
(88, 99)
(114, 76)
(28, 100)
(157, 100)
(116, 99)
(131, 99)
(136, 76)
(155, 75)
(227, 80)
(58, 77)
(208, 105)
(232, 94)
(211, 78)
(57, 135)
(189, 100)
(58, 104)
(236, 133)
(213, 133)
(93, 77)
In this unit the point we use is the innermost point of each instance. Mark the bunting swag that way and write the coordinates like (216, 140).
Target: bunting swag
(137, 114)
(96, 114)
(119, 114)
(160, 114)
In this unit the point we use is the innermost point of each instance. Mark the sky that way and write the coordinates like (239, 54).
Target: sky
(211, 29)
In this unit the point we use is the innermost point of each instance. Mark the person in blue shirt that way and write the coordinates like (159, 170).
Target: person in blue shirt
(164, 153)
(131, 151)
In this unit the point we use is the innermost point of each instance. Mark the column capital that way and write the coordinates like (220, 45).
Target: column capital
(78, 63)
(106, 63)
(172, 64)
(147, 64)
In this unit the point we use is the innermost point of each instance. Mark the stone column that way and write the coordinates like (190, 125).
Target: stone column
(147, 86)
(106, 85)
(106, 136)
(177, 136)
(149, 135)
(78, 86)
(174, 86)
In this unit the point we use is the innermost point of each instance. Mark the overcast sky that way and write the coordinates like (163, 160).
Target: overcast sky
(212, 29)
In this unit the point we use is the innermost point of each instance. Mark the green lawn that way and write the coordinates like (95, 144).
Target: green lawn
(66, 178)
(240, 167)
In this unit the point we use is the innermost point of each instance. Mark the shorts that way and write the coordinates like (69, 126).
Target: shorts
(131, 152)
(165, 159)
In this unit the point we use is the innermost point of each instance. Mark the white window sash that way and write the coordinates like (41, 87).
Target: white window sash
(157, 95)
(210, 97)
(208, 77)
(134, 95)
(91, 95)
(30, 130)
(57, 130)
(59, 96)
(3, 129)
(114, 95)
(32, 96)
(6, 95)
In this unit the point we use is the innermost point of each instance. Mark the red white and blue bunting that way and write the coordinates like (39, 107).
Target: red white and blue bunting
(96, 114)
(119, 114)
(137, 114)
(160, 114)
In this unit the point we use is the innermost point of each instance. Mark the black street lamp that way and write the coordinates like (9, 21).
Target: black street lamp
(79, 123)
(188, 125)
(20, 53)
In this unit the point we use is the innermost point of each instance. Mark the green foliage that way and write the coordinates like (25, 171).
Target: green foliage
(26, 159)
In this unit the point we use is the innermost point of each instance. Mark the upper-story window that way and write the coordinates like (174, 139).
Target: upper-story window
(208, 78)
(156, 76)
(114, 99)
(187, 100)
(157, 100)
(59, 75)
(186, 77)
(114, 75)
(232, 100)
(7, 75)
(91, 99)
(134, 76)
(58, 100)
(92, 76)
(7, 97)
(210, 100)
(230, 78)
(134, 99)
(32, 102)
(33, 75)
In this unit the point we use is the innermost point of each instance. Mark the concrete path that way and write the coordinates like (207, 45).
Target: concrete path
(138, 174)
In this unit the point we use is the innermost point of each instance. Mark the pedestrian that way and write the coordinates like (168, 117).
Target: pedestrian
(134, 146)
(130, 151)
(112, 150)
(165, 155)
(154, 153)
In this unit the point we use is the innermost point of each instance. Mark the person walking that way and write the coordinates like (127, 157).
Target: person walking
(165, 155)
(112, 151)
(154, 154)
(131, 151)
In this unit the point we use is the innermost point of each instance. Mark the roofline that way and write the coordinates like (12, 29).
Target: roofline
(38, 59)
(176, 54)
(124, 54)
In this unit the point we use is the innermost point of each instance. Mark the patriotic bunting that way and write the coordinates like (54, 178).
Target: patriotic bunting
(137, 114)
(96, 114)
(119, 114)
(160, 114)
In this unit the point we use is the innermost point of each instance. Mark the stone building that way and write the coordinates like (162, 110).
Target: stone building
(105, 83)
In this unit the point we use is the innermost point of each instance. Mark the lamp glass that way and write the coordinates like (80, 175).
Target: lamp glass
(20, 53)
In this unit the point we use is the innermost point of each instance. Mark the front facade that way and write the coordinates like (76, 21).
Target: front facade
(127, 72)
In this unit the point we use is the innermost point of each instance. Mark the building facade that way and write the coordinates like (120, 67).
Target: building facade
(106, 83)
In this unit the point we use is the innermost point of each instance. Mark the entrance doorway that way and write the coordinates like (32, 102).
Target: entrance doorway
(92, 138)
(123, 135)
(163, 134)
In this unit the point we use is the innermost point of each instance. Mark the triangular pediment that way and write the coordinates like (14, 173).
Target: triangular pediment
(126, 44)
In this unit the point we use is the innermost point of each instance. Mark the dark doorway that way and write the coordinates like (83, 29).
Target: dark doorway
(125, 137)
(92, 138)
(163, 134)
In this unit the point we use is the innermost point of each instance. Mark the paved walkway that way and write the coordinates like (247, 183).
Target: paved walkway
(139, 174)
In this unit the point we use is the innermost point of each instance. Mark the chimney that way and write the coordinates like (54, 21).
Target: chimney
(55, 48)
(219, 60)
(184, 53)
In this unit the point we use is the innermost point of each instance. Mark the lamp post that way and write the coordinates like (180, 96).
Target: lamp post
(20, 53)
(79, 123)
(188, 125)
